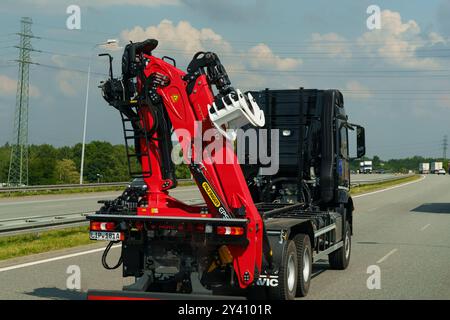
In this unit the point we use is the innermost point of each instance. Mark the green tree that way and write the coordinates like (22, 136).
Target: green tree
(5, 152)
(42, 162)
(66, 171)
(182, 171)
(376, 162)
(107, 160)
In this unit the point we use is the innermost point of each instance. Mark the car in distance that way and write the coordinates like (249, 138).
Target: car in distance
(441, 171)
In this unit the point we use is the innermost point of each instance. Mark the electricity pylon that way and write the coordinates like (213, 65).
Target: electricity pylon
(18, 166)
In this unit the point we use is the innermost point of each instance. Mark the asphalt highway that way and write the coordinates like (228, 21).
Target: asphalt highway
(355, 178)
(32, 206)
(402, 232)
(72, 203)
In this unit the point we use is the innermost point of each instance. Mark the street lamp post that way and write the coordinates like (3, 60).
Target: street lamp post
(112, 41)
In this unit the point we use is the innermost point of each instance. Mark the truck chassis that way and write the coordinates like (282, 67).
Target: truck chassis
(283, 223)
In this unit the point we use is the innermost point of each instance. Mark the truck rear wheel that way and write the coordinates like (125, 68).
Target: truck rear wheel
(304, 257)
(340, 259)
(287, 276)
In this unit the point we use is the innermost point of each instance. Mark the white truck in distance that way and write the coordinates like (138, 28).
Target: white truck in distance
(436, 167)
(365, 166)
(424, 168)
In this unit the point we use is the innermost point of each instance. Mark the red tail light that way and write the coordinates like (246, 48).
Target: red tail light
(230, 231)
(139, 225)
(102, 226)
(200, 228)
(167, 227)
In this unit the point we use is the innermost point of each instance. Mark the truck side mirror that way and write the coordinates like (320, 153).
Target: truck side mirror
(360, 142)
(110, 63)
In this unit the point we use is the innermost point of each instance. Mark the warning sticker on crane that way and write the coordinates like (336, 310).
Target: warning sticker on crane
(175, 98)
(211, 194)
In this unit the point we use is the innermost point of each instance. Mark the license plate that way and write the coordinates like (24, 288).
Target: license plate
(105, 236)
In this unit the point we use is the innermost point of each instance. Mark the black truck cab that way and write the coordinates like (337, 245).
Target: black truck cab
(313, 147)
(307, 203)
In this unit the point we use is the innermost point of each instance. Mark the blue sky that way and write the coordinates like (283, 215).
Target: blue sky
(395, 80)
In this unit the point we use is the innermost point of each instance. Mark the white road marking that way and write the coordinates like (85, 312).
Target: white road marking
(67, 256)
(390, 188)
(387, 256)
(57, 200)
(424, 227)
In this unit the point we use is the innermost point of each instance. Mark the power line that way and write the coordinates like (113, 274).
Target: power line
(315, 71)
(296, 53)
(325, 51)
(75, 42)
(349, 92)
(83, 30)
(335, 75)
(68, 69)
(267, 56)
(302, 43)
(250, 42)
(253, 72)
(366, 73)
(65, 55)
(289, 43)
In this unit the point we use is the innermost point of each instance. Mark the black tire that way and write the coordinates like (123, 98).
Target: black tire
(340, 259)
(287, 276)
(304, 257)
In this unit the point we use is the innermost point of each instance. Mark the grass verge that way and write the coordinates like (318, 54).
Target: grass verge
(72, 191)
(39, 242)
(382, 185)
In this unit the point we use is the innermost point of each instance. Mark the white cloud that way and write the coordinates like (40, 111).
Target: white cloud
(332, 44)
(261, 56)
(181, 38)
(436, 38)
(34, 92)
(68, 82)
(357, 91)
(397, 41)
(443, 101)
(64, 80)
(8, 87)
(111, 46)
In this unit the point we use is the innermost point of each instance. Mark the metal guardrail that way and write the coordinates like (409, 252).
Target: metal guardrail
(120, 184)
(374, 181)
(28, 224)
(68, 186)
(62, 187)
